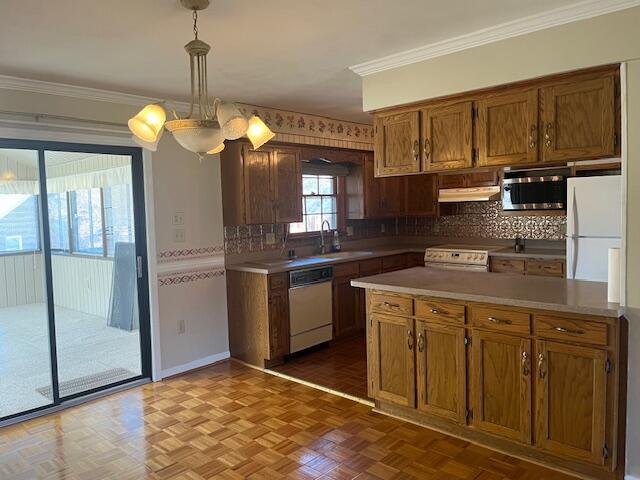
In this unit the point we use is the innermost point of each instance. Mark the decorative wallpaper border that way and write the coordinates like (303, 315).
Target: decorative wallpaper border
(167, 256)
(283, 122)
(188, 277)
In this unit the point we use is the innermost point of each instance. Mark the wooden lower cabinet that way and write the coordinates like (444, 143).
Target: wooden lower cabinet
(440, 370)
(278, 322)
(392, 361)
(346, 306)
(501, 375)
(531, 383)
(571, 391)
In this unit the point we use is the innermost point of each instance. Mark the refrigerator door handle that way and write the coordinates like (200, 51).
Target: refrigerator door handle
(575, 231)
(574, 256)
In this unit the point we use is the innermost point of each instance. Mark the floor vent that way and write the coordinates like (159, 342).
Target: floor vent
(88, 382)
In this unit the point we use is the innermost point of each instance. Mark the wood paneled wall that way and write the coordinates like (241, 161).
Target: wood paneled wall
(21, 279)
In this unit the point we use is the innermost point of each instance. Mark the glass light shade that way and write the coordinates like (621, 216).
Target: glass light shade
(198, 136)
(234, 124)
(218, 149)
(151, 146)
(258, 132)
(7, 176)
(148, 123)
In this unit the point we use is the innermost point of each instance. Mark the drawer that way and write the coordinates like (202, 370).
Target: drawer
(415, 259)
(506, 265)
(392, 304)
(394, 262)
(574, 330)
(278, 281)
(349, 269)
(503, 320)
(440, 311)
(550, 268)
(370, 267)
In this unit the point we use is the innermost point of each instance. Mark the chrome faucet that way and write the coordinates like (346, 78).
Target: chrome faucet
(323, 247)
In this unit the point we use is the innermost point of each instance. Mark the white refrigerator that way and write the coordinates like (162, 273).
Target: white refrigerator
(594, 224)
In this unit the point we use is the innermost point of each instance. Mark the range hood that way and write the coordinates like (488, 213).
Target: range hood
(470, 194)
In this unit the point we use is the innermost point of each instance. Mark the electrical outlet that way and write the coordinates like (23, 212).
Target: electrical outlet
(270, 238)
(178, 218)
(349, 231)
(182, 327)
(383, 228)
(179, 235)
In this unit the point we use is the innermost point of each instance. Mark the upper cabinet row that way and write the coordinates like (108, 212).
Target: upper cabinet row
(566, 118)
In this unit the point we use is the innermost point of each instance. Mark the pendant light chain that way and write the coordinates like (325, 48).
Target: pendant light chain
(195, 23)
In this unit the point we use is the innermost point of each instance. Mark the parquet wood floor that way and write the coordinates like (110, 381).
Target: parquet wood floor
(229, 421)
(342, 366)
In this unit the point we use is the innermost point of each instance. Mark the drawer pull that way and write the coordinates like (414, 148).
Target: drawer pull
(435, 310)
(391, 305)
(499, 321)
(541, 370)
(568, 330)
(526, 364)
(410, 339)
(420, 342)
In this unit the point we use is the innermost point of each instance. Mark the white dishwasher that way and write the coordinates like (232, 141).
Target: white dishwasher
(310, 307)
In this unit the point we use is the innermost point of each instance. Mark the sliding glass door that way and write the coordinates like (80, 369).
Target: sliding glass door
(77, 224)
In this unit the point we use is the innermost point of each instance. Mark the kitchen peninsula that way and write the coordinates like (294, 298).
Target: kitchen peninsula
(526, 364)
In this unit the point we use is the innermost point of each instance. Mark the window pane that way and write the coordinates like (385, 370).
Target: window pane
(18, 222)
(331, 219)
(309, 184)
(298, 227)
(325, 185)
(328, 204)
(86, 227)
(313, 223)
(118, 216)
(58, 218)
(312, 205)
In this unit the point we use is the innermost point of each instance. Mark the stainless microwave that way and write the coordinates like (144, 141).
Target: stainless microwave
(534, 192)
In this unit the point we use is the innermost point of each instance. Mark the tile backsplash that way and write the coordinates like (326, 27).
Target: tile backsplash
(472, 220)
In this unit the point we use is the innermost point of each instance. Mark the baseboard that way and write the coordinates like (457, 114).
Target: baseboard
(201, 362)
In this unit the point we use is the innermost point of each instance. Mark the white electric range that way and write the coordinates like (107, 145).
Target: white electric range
(458, 257)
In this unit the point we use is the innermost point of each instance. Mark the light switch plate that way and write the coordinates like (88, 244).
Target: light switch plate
(179, 235)
(270, 238)
(349, 231)
(178, 218)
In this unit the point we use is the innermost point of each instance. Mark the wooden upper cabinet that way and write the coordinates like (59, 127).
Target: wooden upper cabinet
(397, 144)
(258, 201)
(501, 379)
(571, 400)
(287, 185)
(440, 367)
(507, 129)
(392, 196)
(447, 137)
(578, 120)
(391, 358)
(422, 195)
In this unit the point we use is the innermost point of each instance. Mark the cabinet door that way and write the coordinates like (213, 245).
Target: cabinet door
(482, 178)
(346, 307)
(371, 189)
(278, 323)
(502, 385)
(571, 400)
(392, 359)
(440, 366)
(446, 136)
(392, 196)
(397, 144)
(507, 129)
(456, 180)
(287, 185)
(578, 120)
(422, 194)
(256, 170)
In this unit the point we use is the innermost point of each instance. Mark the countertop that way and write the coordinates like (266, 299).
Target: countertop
(545, 293)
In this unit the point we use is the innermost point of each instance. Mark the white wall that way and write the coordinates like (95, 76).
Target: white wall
(601, 40)
(21, 279)
(180, 183)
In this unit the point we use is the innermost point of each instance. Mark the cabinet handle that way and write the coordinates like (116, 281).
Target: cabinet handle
(427, 148)
(541, 370)
(410, 339)
(526, 365)
(532, 137)
(568, 330)
(391, 305)
(420, 342)
(547, 135)
(416, 147)
(433, 310)
(499, 321)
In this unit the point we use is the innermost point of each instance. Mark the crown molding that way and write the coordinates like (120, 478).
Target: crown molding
(552, 18)
(8, 82)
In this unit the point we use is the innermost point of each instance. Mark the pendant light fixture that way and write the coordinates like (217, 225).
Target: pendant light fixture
(207, 125)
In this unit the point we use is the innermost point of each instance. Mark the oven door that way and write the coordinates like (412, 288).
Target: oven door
(534, 193)
(457, 266)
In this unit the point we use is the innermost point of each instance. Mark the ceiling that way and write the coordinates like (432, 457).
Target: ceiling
(287, 54)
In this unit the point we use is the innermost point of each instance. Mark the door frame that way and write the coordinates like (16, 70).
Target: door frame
(139, 182)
